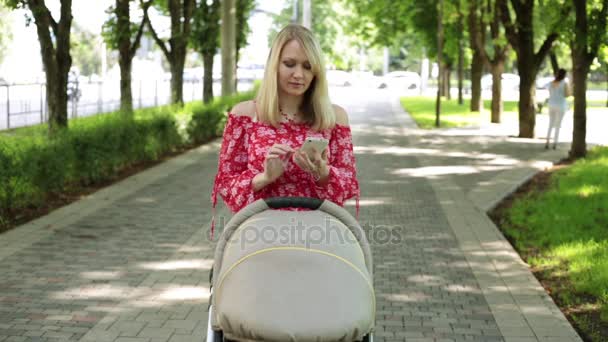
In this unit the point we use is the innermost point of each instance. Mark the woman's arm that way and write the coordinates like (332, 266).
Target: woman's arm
(234, 181)
(340, 183)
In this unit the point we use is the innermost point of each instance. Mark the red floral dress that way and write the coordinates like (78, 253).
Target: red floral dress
(245, 145)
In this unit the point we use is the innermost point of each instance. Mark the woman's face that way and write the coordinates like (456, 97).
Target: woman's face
(295, 72)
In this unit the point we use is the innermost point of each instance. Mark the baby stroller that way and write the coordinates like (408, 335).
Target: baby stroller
(296, 276)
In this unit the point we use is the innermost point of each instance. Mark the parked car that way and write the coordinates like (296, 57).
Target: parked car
(509, 82)
(404, 80)
(339, 78)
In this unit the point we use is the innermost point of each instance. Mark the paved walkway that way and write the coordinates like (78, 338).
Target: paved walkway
(131, 262)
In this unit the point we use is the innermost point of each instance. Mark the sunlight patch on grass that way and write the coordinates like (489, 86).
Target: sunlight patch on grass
(422, 109)
(567, 225)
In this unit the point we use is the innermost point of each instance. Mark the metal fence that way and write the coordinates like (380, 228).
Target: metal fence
(25, 104)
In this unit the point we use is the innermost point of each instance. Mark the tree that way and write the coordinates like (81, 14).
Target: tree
(439, 55)
(205, 39)
(123, 35)
(54, 38)
(341, 32)
(477, 60)
(589, 34)
(228, 46)
(85, 51)
(490, 16)
(520, 33)
(243, 11)
(180, 12)
(460, 30)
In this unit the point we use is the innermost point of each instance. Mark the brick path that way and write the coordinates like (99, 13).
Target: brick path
(131, 262)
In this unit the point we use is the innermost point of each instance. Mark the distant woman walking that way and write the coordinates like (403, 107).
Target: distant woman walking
(559, 90)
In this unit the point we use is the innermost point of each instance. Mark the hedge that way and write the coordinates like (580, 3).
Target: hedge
(94, 149)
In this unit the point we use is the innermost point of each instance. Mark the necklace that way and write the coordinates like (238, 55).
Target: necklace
(288, 117)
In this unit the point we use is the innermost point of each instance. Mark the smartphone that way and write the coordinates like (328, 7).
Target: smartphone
(319, 144)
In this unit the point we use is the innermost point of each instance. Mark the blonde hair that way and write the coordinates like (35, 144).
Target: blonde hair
(317, 108)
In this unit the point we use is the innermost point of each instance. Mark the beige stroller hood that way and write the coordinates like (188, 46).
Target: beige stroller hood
(293, 276)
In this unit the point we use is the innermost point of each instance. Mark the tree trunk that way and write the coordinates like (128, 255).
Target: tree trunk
(527, 114)
(527, 75)
(554, 63)
(460, 72)
(579, 133)
(123, 28)
(497, 106)
(181, 15)
(177, 76)
(460, 54)
(126, 52)
(208, 78)
(477, 60)
(476, 73)
(126, 94)
(57, 98)
(439, 58)
(448, 85)
(228, 47)
(54, 39)
(521, 36)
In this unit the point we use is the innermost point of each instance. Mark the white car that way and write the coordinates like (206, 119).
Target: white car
(403, 80)
(509, 82)
(339, 78)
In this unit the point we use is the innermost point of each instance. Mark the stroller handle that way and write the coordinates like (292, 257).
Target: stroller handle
(293, 202)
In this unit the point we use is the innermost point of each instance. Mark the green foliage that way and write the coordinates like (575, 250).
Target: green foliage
(85, 51)
(566, 226)
(92, 150)
(110, 32)
(340, 40)
(243, 11)
(205, 35)
(207, 121)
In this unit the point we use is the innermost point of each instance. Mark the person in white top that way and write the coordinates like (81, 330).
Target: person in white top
(559, 90)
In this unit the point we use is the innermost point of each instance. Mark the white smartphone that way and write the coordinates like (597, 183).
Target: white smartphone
(319, 144)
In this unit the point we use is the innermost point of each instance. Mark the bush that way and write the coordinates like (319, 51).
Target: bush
(95, 148)
(208, 121)
(92, 150)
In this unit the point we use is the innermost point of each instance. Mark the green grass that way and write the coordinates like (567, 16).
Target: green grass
(422, 109)
(566, 228)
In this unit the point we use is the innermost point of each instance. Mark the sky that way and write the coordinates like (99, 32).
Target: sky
(23, 59)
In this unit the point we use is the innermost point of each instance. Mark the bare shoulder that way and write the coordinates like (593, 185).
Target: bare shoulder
(341, 115)
(245, 108)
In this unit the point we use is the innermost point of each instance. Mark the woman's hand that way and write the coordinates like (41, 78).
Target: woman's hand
(274, 164)
(317, 165)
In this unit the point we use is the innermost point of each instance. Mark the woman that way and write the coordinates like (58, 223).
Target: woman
(260, 155)
(558, 92)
